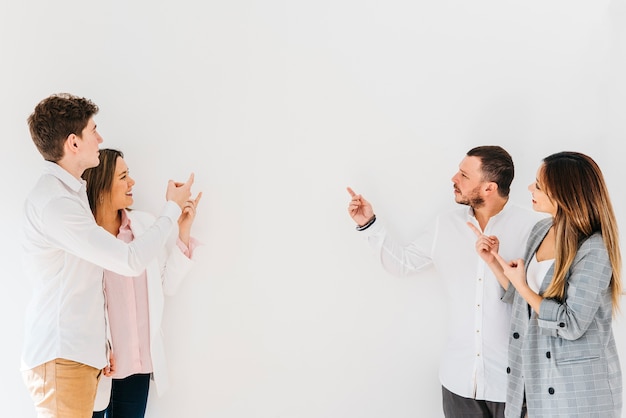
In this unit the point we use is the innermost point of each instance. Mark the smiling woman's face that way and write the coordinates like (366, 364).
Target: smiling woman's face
(541, 201)
(121, 196)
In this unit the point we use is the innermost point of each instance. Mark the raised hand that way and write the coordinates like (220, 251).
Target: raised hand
(516, 273)
(487, 248)
(187, 217)
(485, 245)
(359, 209)
(513, 270)
(179, 192)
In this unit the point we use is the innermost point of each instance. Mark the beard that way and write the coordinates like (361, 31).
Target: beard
(473, 199)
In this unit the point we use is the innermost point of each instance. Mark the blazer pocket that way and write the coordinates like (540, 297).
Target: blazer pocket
(575, 360)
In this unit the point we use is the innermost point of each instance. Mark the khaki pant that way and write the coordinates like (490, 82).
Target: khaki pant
(62, 388)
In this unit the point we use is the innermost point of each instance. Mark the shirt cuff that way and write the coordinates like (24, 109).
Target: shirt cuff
(376, 228)
(171, 210)
(188, 250)
(548, 320)
(509, 294)
(549, 310)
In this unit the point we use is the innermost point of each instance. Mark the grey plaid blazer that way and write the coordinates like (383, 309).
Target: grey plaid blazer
(564, 362)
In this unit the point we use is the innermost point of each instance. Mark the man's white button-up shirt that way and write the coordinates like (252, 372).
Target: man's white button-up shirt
(65, 252)
(474, 360)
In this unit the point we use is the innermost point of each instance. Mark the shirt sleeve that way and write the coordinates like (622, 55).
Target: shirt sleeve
(67, 225)
(509, 294)
(187, 250)
(177, 266)
(397, 259)
(587, 290)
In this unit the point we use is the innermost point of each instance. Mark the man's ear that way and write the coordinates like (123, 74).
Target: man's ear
(71, 143)
(491, 187)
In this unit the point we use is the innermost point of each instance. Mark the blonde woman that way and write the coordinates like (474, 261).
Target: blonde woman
(563, 360)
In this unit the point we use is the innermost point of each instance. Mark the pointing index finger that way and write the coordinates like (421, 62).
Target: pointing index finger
(350, 191)
(477, 231)
(197, 200)
(499, 259)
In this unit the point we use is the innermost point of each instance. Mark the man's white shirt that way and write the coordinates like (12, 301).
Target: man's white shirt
(474, 360)
(65, 252)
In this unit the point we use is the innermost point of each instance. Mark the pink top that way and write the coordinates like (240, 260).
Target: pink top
(127, 306)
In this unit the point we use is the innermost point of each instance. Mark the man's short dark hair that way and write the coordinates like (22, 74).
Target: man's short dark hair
(55, 118)
(496, 166)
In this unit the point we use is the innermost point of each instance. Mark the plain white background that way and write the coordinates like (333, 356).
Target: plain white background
(277, 106)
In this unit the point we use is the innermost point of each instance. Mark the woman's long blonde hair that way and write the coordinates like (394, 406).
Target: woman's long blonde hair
(575, 183)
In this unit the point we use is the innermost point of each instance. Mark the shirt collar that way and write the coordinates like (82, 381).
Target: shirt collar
(125, 221)
(505, 209)
(62, 174)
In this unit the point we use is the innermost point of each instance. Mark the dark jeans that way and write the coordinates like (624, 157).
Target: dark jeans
(455, 406)
(128, 398)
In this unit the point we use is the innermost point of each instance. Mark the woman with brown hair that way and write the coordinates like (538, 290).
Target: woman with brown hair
(563, 360)
(135, 304)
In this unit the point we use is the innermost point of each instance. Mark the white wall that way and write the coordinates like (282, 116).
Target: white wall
(277, 106)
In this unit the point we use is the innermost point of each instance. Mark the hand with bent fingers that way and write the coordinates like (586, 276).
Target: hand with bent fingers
(110, 369)
(513, 270)
(187, 217)
(359, 209)
(179, 192)
(485, 245)
(487, 248)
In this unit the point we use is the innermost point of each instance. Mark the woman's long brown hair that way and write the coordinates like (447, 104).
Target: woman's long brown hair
(100, 178)
(575, 183)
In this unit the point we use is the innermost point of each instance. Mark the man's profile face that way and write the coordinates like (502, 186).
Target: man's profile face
(468, 182)
(89, 141)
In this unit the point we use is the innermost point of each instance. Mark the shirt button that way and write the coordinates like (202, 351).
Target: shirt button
(551, 391)
(516, 335)
(508, 370)
(562, 324)
(548, 355)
